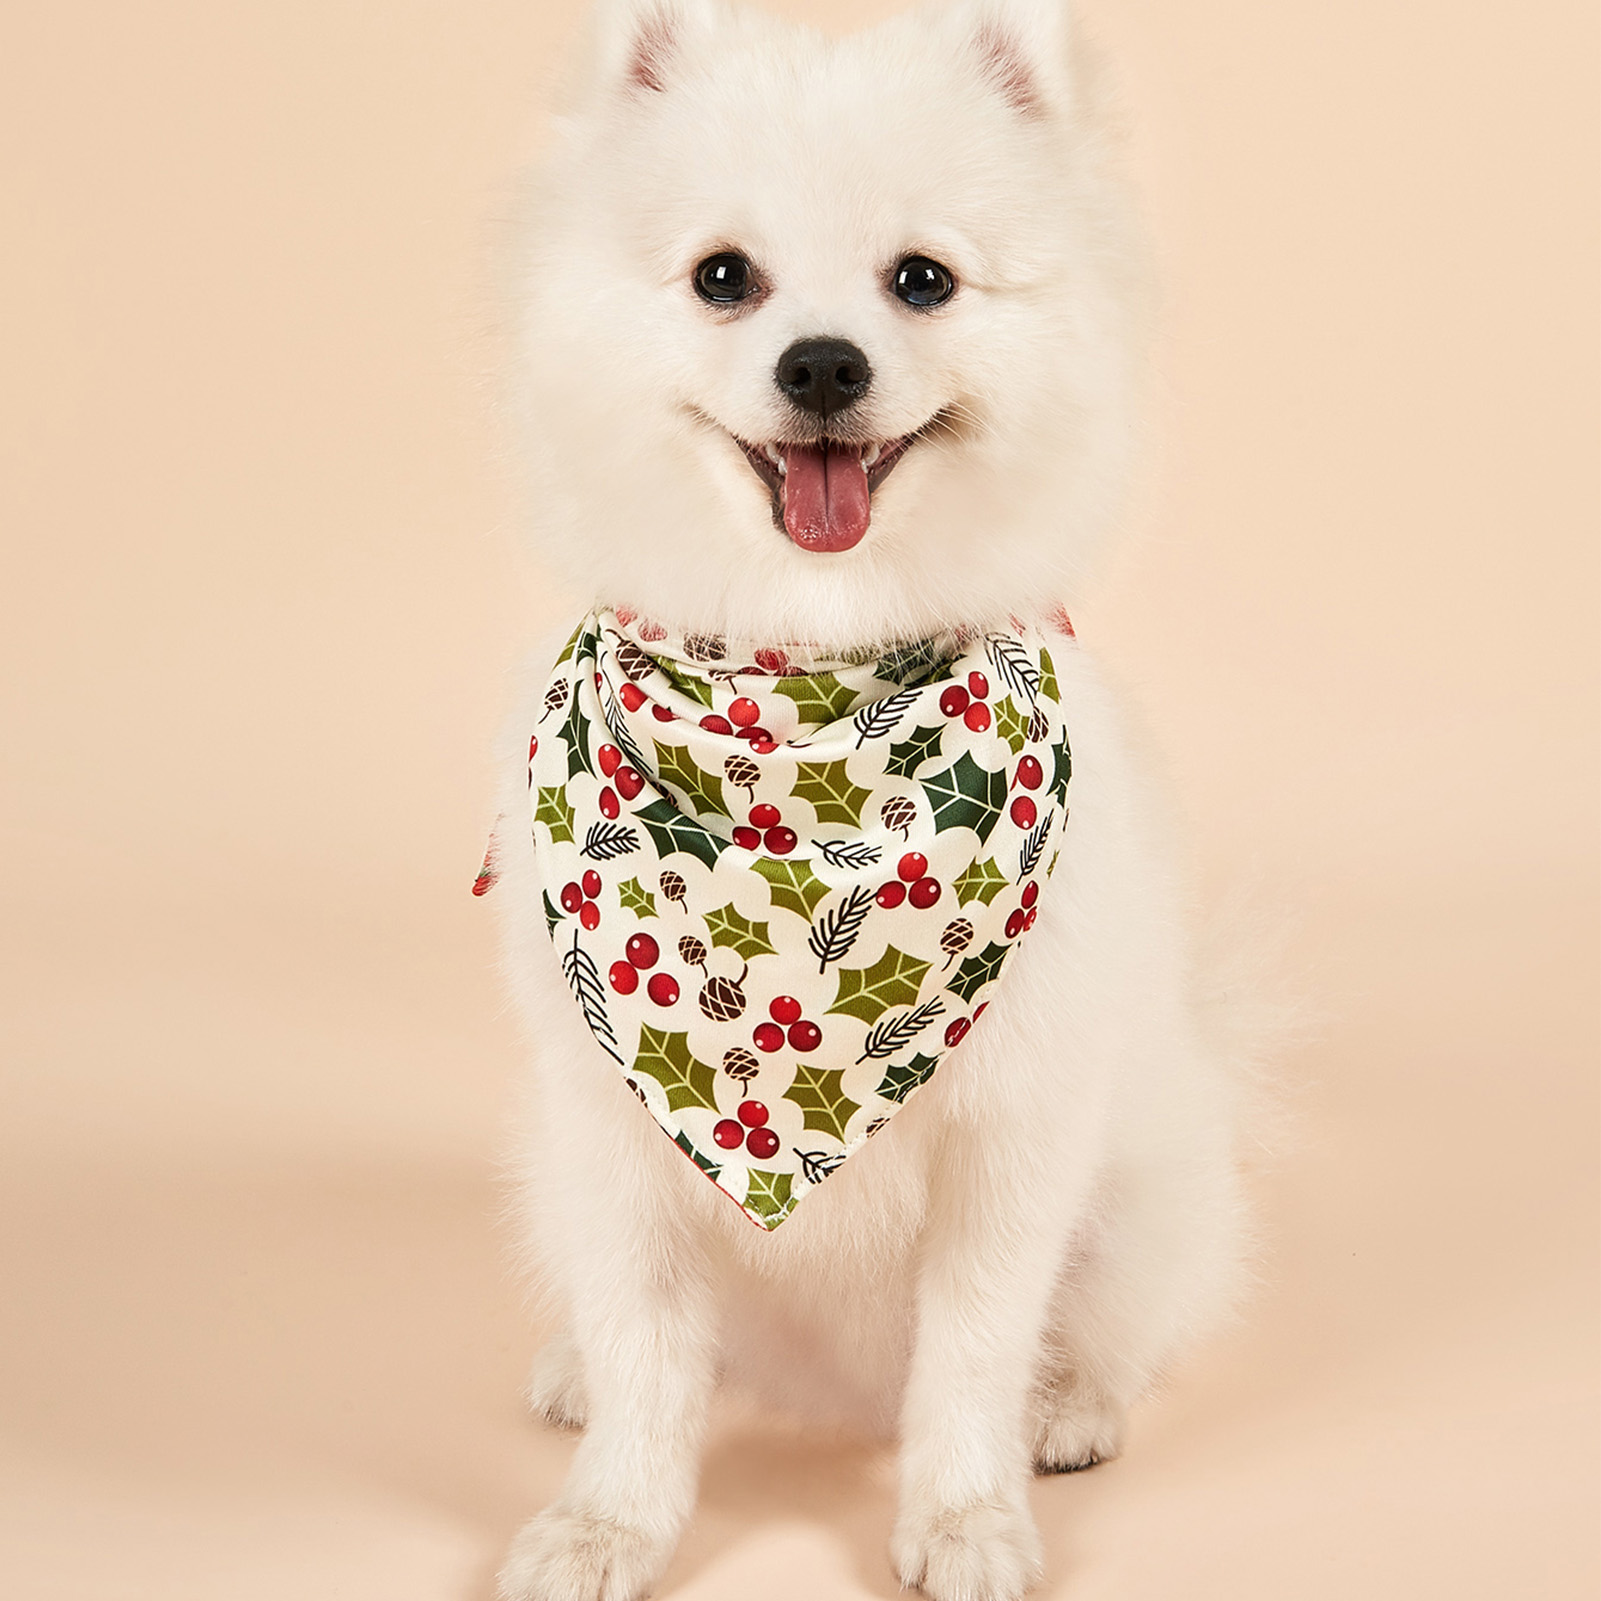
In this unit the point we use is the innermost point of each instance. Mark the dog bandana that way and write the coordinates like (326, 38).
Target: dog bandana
(782, 888)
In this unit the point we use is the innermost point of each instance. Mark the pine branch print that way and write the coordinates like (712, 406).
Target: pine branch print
(835, 932)
(1028, 858)
(881, 718)
(1011, 661)
(604, 841)
(849, 853)
(583, 979)
(885, 1038)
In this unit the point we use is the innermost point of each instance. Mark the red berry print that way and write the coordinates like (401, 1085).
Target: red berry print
(752, 1114)
(609, 804)
(626, 615)
(1024, 811)
(652, 631)
(589, 915)
(663, 714)
(1014, 923)
(956, 1031)
(923, 893)
(978, 685)
(762, 742)
(572, 897)
(954, 701)
(610, 759)
(1029, 773)
(780, 841)
(591, 884)
(747, 838)
(784, 1009)
(642, 951)
(890, 895)
(772, 661)
(533, 746)
(1028, 921)
(629, 783)
(765, 816)
(624, 977)
(632, 696)
(768, 1037)
(1031, 892)
(713, 724)
(912, 866)
(761, 1143)
(744, 712)
(663, 989)
(805, 1036)
(729, 1134)
(980, 1009)
(977, 717)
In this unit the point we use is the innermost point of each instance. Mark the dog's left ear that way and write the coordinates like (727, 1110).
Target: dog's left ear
(1024, 49)
(635, 44)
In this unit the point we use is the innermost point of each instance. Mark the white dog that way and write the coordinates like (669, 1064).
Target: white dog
(838, 342)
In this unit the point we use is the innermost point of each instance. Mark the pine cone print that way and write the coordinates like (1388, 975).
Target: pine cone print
(633, 661)
(555, 698)
(704, 648)
(742, 773)
(899, 813)
(722, 999)
(1038, 726)
(673, 887)
(692, 952)
(740, 1065)
(957, 937)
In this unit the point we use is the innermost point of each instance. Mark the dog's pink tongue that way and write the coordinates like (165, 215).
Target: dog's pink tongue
(826, 504)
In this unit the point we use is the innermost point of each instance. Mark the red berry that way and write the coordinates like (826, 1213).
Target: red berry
(663, 988)
(980, 1009)
(954, 701)
(761, 1143)
(1031, 892)
(626, 615)
(768, 1037)
(780, 841)
(764, 745)
(572, 897)
(642, 951)
(752, 1114)
(591, 884)
(713, 724)
(610, 759)
(784, 1009)
(744, 712)
(890, 895)
(652, 631)
(589, 915)
(1028, 922)
(662, 714)
(977, 717)
(978, 684)
(924, 893)
(624, 977)
(629, 783)
(533, 746)
(599, 681)
(956, 1031)
(772, 661)
(729, 1134)
(1029, 773)
(1014, 923)
(912, 866)
(609, 805)
(765, 816)
(805, 1036)
(1024, 811)
(632, 696)
(748, 838)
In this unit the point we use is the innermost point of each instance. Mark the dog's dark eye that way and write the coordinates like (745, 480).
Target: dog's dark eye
(922, 283)
(724, 278)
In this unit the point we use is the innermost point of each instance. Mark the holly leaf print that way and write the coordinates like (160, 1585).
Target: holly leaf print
(869, 992)
(691, 684)
(571, 645)
(575, 732)
(900, 1081)
(1064, 769)
(707, 1166)
(552, 913)
(551, 808)
(827, 786)
(671, 831)
(966, 796)
(1011, 724)
(635, 898)
(702, 791)
(910, 663)
(818, 697)
(1048, 689)
(824, 1105)
(791, 885)
(666, 1057)
(977, 971)
(739, 934)
(982, 881)
(768, 1195)
(905, 758)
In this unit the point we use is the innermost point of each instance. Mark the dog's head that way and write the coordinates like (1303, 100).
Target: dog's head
(827, 340)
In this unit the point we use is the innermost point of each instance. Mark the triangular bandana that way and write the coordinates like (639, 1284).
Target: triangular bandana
(781, 888)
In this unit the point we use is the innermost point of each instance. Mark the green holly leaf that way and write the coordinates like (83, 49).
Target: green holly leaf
(671, 831)
(1055, 856)
(818, 697)
(827, 786)
(690, 684)
(702, 791)
(913, 662)
(707, 1166)
(552, 809)
(1064, 769)
(824, 1105)
(575, 731)
(869, 992)
(1011, 724)
(899, 1082)
(634, 897)
(977, 971)
(571, 645)
(768, 1195)
(666, 1057)
(791, 884)
(966, 796)
(979, 881)
(905, 758)
(743, 937)
(552, 913)
(1048, 689)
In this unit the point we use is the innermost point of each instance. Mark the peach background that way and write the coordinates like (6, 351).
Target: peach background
(256, 1336)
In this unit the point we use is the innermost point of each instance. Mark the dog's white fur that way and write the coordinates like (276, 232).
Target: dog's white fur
(1004, 1270)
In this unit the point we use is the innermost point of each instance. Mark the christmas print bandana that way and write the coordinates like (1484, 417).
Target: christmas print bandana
(782, 888)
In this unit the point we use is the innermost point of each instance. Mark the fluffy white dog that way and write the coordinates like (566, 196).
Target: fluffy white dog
(839, 342)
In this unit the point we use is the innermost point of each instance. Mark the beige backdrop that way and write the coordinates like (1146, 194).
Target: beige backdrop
(256, 1338)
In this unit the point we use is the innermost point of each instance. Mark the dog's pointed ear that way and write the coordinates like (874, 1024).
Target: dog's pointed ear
(633, 44)
(1024, 49)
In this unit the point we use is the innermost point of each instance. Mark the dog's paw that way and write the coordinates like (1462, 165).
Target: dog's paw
(983, 1552)
(556, 1386)
(1075, 1430)
(561, 1556)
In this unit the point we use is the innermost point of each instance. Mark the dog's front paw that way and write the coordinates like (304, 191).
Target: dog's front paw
(982, 1552)
(562, 1556)
(1075, 1430)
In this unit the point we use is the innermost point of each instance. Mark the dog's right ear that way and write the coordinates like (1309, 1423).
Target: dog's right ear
(633, 44)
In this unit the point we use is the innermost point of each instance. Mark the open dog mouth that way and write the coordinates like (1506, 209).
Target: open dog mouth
(822, 492)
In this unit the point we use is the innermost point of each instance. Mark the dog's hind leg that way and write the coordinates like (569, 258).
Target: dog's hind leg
(556, 1383)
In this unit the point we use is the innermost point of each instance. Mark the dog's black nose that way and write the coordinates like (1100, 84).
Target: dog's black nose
(823, 375)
